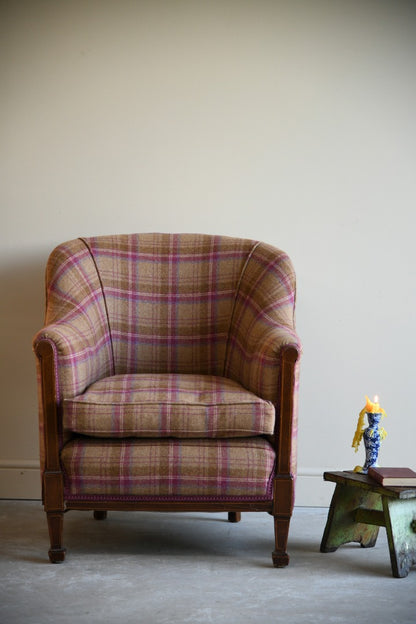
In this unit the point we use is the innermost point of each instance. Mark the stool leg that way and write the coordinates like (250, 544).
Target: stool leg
(400, 517)
(341, 527)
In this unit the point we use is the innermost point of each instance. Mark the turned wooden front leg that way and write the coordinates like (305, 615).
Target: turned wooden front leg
(54, 507)
(55, 526)
(341, 527)
(281, 531)
(282, 513)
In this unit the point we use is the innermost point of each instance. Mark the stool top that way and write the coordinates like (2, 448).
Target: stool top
(349, 477)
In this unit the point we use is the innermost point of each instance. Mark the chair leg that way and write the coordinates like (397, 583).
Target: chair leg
(234, 516)
(55, 526)
(100, 514)
(281, 533)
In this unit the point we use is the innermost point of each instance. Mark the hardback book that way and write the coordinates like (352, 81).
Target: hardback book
(399, 477)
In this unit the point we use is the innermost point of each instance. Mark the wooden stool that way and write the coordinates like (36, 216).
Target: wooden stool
(360, 506)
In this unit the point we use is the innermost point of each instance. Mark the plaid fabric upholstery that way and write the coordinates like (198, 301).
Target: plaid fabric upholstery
(240, 467)
(263, 324)
(161, 303)
(158, 303)
(263, 321)
(76, 325)
(294, 439)
(76, 319)
(170, 299)
(187, 406)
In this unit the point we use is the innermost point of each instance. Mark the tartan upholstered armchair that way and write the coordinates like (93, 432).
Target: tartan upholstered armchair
(167, 375)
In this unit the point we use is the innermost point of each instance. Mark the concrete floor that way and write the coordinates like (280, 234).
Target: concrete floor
(188, 568)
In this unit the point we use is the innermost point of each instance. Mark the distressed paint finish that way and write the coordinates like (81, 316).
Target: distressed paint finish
(360, 506)
(341, 527)
(400, 516)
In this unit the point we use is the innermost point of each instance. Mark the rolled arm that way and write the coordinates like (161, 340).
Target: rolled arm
(256, 358)
(264, 351)
(262, 325)
(268, 365)
(82, 353)
(70, 355)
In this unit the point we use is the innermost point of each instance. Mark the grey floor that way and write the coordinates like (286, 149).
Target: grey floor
(190, 568)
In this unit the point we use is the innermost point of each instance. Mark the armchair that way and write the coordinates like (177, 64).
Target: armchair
(167, 376)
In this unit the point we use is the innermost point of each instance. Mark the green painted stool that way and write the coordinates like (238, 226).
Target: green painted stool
(360, 506)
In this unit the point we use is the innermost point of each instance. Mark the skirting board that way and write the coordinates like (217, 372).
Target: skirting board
(20, 479)
(311, 489)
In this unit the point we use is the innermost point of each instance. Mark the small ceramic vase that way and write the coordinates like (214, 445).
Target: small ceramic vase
(372, 441)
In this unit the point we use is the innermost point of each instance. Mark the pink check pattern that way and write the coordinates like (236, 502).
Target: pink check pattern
(168, 405)
(127, 308)
(170, 468)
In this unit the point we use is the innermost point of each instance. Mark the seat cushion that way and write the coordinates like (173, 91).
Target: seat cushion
(140, 468)
(168, 405)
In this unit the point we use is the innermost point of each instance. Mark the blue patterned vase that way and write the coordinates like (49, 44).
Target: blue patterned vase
(372, 441)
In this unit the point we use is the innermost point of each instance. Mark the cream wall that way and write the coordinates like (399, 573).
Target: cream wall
(291, 122)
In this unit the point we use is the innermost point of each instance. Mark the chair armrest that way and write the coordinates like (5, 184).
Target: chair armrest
(263, 325)
(265, 360)
(276, 374)
(82, 352)
(70, 355)
(256, 358)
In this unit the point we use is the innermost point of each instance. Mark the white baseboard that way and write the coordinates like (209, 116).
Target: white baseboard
(311, 489)
(20, 479)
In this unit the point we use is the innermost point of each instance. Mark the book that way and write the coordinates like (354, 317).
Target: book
(400, 477)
